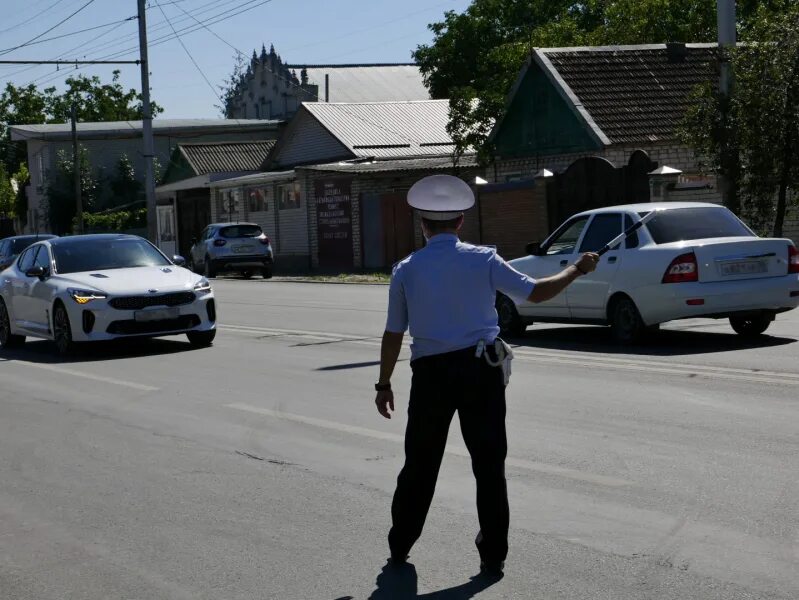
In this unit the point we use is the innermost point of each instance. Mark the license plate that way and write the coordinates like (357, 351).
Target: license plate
(748, 267)
(160, 314)
(242, 249)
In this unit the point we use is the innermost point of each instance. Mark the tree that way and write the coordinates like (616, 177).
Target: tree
(21, 179)
(759, 122)
(125, 188)
(230, 87)
(476, 56)
(61, 201)
(7, 195)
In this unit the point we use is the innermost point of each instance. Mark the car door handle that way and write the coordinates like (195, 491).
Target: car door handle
(611, 259)
(563, 263)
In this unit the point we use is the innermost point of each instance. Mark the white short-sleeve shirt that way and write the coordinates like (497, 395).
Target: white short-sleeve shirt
(444, 295)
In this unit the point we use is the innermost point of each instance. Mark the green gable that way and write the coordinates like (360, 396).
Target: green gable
(178, 169)
(540, 122)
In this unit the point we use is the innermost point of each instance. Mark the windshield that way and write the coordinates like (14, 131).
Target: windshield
(682, 224)
(19, 245)
(103, 254)
(241, 231)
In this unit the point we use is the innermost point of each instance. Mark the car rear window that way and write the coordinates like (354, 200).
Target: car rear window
(682, 224)
(241, 231)
(18, 246)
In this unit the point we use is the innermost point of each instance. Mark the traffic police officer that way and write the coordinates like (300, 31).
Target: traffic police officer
(444, 294)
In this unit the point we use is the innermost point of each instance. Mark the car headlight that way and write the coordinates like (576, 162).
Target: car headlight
(203, 286)
(85, 296)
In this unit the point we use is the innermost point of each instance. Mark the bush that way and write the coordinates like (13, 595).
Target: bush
(121, 220)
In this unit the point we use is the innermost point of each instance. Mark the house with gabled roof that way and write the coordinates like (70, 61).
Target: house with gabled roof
(345, 168)
(184, 196)
(600, 116)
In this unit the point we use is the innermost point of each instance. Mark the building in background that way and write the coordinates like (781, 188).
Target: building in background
(272, 89)
(107, 142)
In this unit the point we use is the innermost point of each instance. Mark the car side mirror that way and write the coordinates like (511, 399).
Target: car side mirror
(533, 248)
(37, 271)
(179, 260)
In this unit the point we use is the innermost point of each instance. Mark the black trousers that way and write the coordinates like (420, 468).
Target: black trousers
(442, 385)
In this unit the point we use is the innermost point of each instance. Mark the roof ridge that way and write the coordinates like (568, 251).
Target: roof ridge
(349, 65)
(228, 143)
(381, 102)
(623, 47)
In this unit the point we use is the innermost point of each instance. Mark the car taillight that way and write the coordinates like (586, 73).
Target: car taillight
(793, 259)
(265, 241)
(683, 268)
(219, 243)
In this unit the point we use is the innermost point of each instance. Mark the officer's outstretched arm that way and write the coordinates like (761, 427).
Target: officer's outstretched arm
(547, 288)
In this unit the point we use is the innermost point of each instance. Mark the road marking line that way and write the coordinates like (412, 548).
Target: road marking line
(519, 463)
(89, 376)
(529, 355)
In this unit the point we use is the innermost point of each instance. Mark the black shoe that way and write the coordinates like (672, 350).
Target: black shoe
(493, 569)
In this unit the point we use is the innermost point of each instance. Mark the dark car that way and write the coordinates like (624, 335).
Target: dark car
(11, 247)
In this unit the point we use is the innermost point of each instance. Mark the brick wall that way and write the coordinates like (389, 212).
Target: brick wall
(675, 155)
(511, 219)
(366, 184)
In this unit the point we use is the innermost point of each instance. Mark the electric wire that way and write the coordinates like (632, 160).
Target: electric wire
(191, 58)
(61, 22)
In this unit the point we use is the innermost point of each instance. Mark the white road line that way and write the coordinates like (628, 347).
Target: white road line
(89, 376)
(519, 463)
(581, 359)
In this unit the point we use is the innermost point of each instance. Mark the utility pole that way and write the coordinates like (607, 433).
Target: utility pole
(147, 127)
(76, 168)
(727, 39)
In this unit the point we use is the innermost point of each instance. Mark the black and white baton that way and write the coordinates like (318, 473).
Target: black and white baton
(628, 232)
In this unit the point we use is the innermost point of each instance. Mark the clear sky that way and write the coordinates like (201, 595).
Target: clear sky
(303, 31)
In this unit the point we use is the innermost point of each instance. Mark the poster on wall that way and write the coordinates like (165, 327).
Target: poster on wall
(334, 223)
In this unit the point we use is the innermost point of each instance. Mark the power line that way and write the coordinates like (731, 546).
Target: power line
(71, 33)
(61, 22)
(33, 18)
(191, 58)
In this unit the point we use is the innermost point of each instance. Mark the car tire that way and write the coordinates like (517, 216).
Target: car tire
(750, 327)
(510, 323)
(8, 339)
(626, 324)
(266, 272)
(209, 270)
(201, 339)
(62, 331)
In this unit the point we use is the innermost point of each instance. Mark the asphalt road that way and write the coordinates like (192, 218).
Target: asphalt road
(258, 468)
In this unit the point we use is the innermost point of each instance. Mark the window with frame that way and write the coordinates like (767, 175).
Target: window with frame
(258, 199)
(565, 241)
(25, 261)
(604, 227)
(289, 196)
(43, 259)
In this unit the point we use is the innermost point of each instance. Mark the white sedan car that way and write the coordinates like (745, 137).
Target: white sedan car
(689, 260)
(101, 287)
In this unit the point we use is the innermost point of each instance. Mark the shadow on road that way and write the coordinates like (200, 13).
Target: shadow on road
(666, 342)
(360, 365)
(400, 583)
(44, 352)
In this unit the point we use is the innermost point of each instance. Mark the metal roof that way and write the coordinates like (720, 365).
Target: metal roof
(125, 129)
(388, 129)
(367, 83)
(226, 157)
(438, 163)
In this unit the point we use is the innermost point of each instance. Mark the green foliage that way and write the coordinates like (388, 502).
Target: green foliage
(94, 100)
(125, 188)
(60, 196)
(756, 130)
(230, 86)
(22, 178)
(121, 220)
(476, 56)
(7, 195)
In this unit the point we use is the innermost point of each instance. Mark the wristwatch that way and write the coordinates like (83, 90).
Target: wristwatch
(383, 387)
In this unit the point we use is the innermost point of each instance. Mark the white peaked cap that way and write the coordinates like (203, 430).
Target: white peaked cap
(441, 197)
